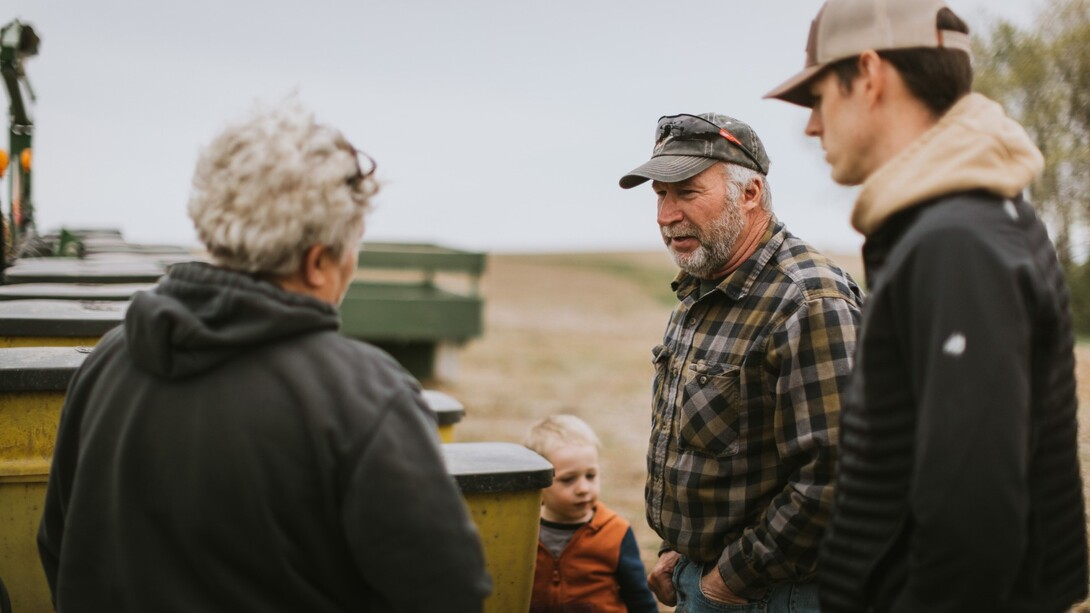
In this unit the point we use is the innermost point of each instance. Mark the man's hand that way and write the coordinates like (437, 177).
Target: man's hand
(716, 590)
(661, 578)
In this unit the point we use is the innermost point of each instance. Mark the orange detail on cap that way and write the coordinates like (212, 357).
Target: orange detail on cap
(730, 137)
(4, 159)
(24, 159)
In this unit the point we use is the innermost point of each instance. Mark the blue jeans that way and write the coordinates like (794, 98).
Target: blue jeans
(783, 598)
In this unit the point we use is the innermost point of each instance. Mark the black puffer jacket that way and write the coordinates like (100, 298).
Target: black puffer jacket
(959, 488)
(227, 450)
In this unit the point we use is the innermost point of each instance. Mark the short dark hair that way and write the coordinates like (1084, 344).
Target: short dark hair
(936, 77)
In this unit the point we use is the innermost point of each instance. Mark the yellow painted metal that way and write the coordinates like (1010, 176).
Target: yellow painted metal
(508, 523)
(28, 428)
(448, 412)
(49, 341)
(20, 565)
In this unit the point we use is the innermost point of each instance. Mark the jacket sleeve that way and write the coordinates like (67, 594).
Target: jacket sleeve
(632, 577)
(405, 520)
(58, 489)
(967, 331)
(63, 465)
(809, 363)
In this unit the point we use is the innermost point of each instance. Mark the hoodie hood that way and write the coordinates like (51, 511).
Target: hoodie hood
(200, 316)
(973, 146)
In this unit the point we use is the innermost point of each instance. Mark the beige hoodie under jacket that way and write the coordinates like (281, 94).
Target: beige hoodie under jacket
(973, 146)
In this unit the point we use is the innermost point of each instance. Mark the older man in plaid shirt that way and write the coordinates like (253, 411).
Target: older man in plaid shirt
(747, 380)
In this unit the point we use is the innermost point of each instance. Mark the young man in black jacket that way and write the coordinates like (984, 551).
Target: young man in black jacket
(959, 487)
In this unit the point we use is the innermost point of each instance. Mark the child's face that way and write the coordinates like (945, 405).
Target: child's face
(571, 497)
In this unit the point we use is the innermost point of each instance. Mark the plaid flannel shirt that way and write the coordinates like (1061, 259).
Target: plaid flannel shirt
(746, 410)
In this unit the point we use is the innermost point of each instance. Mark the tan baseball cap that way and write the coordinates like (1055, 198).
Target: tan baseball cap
(846, 28)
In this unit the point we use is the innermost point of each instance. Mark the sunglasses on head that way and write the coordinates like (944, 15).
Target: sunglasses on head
(691, 127)
(357, 179)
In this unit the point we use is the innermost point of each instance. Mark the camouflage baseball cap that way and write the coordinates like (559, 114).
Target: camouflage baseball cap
(687, 145)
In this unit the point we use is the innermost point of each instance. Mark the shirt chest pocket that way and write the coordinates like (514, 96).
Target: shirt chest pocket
(710, 411)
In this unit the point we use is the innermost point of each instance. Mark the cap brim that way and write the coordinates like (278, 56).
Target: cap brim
(796, 90)
(668, 169)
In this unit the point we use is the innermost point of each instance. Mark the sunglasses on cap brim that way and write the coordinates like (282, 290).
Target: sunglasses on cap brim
(691, 127)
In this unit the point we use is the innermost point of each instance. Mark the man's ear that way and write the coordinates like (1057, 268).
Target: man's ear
(751, 196)
(314, 266)
(872, 75)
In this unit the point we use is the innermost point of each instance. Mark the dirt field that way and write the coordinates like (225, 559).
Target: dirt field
(573, 333)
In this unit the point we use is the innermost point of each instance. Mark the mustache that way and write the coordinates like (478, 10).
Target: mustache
(680, 229)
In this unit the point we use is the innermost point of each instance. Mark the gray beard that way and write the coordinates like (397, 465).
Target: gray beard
(716, 242)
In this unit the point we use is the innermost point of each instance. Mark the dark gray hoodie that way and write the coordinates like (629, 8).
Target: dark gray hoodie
(227, 450)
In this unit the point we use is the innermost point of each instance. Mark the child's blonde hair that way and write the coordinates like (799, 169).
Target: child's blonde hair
(559, 430)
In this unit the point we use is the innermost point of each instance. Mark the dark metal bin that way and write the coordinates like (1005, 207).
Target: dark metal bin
(72, 291)
(448, 411)
(73, 270)
(57, 323)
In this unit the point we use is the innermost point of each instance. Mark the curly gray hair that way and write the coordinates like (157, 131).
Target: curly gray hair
(267, 189)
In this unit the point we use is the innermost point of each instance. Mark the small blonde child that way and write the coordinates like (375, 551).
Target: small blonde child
(587, 554)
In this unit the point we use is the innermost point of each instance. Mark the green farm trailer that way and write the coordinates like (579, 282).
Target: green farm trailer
(419, 302)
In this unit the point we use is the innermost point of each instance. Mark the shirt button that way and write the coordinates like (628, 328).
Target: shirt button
(703, 379)
(691, 322)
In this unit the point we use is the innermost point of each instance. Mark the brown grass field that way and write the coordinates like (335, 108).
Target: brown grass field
(573, 333)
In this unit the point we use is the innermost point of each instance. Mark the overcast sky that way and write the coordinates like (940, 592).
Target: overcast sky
(498, 125)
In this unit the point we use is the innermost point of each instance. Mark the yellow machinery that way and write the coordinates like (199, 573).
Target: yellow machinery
(502, 484)
(32, 386)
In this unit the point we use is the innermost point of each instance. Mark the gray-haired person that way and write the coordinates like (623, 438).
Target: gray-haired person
(747, 379)
(226, 449)
(958, 488)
